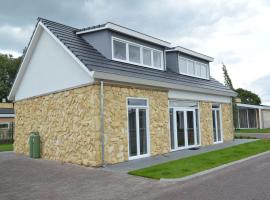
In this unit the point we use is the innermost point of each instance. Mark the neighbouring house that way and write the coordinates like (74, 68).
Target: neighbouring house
(252, 116)
(108, 94)
(6, 122)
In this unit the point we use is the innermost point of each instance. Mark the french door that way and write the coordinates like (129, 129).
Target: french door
(138, 134)
(217, 134)
(184, 130)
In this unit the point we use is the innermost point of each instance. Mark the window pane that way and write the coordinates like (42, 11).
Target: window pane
(180, 124)
(157, 59)
(134, 53)
(137, 102)
(191, 69)
(197, 69)
(243, 118)
(183, 65)
(132, 132)
(147, 57)
(119, 50)
(218, 126)
(204, 71)
(190, 128)
(214, 125)
(143, 131)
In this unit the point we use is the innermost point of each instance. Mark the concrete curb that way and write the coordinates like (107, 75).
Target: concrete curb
(212, 170)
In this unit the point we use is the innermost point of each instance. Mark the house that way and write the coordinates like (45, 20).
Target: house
(108, 94)
(252, 116)
(6, 122)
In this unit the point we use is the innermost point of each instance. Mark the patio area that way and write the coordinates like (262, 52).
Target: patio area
(146, 162)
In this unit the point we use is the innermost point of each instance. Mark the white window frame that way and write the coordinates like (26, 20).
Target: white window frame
(195, 62)
(185, 109)
(141, 54)
(221, 125)
(137, 127)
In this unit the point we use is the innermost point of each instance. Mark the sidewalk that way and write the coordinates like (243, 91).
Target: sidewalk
(146, 162)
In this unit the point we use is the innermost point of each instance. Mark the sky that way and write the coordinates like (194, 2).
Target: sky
(235, 33)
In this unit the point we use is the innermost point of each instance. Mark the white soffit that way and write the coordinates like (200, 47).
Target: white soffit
(186, 95)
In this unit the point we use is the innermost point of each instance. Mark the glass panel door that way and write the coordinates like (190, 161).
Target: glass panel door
(180, 128)
(217, 135)
(190, 128)
(138, 132)
(183, 129)
(143, 131)
(132, 132)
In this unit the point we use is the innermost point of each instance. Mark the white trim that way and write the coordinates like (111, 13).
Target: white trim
(221, 126)
(7, 115)
(40, 27)
(185, 146)
(137, 128)
(186, 95)
(127, 43)
(194, 62)
(253, 106)
(127, 31)
(193, 53)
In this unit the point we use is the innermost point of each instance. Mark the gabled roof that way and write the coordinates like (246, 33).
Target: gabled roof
(106, 69)
(124, 30)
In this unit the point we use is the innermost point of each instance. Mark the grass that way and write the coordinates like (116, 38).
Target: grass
(6, 147)
(253, 130)
(194, 164)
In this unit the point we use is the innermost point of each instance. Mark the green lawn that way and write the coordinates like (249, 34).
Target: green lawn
(255, 130)
(6, 147)
(194, 164)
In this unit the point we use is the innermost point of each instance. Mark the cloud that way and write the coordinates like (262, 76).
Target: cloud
(233, 32)
(261, 87)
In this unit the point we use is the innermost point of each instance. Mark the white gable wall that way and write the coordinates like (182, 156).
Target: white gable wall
(50, 69)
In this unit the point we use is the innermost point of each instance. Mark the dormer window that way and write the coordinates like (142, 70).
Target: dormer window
(137, 54)
(193, 68)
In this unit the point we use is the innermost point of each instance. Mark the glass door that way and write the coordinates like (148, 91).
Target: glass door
(217, 135)
(138, 137)
(184, 133)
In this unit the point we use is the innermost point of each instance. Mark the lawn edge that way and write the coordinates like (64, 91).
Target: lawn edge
(208, 171)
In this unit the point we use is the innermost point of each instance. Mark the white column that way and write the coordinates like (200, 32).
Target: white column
(260, 119)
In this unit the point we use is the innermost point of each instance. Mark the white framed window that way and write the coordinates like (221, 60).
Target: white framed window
(133, 53)
(193, 68)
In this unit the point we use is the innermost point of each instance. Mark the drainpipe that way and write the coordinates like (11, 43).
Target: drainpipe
(102, 122)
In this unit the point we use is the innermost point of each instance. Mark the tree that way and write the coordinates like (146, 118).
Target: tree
(8, 69)
(227, 79)
(248, 97)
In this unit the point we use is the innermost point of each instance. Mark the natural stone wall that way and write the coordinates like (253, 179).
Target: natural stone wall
(206, 123)
(68, 123)
(115, 115)
(227, 122)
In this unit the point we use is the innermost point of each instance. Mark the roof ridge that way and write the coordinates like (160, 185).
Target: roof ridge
(48, 20)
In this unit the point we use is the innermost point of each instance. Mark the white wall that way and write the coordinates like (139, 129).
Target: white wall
(186, 95)
(50, 69)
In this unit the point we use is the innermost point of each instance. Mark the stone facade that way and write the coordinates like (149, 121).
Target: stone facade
(227, 122)
(68, 123)
(206, 123)
(115, 115)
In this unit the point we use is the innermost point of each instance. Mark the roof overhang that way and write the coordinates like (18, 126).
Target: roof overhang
(192, 53)
(159, 84)
(253, 106)
(127, 31)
